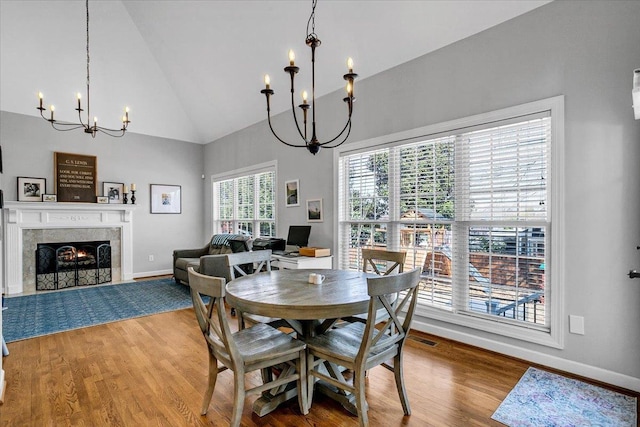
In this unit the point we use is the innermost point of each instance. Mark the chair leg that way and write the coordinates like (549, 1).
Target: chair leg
(399, 374)
(238, 398)
(303, 401)
(310, 379)
(241, 324)
(361, 401)
(213, 375)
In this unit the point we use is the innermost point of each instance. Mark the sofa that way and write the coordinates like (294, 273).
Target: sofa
(209, 260)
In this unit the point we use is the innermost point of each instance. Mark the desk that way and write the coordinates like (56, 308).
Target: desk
(300, 262)
(310, 309)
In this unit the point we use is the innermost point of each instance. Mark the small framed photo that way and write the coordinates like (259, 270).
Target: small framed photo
(291, 193)
(102, 199)
(166, 199)
(31, 189)
(314, 210)
(113, 191)
(49, 198)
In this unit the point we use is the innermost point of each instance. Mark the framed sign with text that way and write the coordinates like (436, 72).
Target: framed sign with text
(75, 177)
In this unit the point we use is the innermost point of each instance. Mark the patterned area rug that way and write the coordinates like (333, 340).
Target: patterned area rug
(50, 312)
(544, 399)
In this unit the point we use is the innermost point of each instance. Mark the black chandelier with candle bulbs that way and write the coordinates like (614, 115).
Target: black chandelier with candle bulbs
(312, 144)
(88, 128)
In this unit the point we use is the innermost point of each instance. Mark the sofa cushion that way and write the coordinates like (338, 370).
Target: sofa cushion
(183, 263)
(217, 250)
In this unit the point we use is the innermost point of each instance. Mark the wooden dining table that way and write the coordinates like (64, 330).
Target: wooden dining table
(310, 309)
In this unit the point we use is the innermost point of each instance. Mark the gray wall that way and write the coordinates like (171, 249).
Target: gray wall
(586, 51)
(28, 144)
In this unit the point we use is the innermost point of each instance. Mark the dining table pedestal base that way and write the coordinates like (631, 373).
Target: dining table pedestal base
(267, 403)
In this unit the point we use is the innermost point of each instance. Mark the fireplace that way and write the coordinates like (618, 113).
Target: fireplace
(69, 264)
(26, 224)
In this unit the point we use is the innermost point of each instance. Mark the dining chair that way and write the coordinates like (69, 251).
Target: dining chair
(383, 263)
(245, 263)
(374, 259)
(362, 346)
(259, 347)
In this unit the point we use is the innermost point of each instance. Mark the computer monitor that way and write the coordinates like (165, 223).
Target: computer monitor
(298, 235)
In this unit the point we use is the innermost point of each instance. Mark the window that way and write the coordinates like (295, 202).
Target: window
(244, 202)
(471, 206)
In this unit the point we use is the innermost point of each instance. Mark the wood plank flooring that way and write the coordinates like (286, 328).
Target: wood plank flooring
(151, 371)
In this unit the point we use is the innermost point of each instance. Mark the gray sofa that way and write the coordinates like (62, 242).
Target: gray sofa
(209, 260)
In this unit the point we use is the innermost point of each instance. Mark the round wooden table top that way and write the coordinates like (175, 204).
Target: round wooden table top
(287, 294)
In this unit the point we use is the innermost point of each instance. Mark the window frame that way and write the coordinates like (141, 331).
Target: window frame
(254, 171)
(554, 271)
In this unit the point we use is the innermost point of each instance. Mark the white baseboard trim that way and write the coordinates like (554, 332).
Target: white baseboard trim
(3, 385)
(576, 368)
(152, 273)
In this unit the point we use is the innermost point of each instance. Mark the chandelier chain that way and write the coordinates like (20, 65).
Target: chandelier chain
(88, 61)
(312, 19)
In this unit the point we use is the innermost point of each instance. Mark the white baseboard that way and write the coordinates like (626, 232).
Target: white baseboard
(576, 368)
(152, 273)
(3, 385)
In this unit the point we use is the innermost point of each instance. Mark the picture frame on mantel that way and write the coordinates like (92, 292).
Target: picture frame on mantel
(113, 191)
(166, 199)
(31, 189)
(75, 177)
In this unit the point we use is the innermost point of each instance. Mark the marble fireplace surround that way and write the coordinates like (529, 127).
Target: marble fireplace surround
(29, 223)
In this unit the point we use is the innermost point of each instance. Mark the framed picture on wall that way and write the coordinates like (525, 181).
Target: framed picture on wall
(314, 210)
(31, 189)
(291, 193)
(113, 191)
(166, 199)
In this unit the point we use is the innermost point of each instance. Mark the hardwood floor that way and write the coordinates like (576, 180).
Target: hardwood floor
(152, 371)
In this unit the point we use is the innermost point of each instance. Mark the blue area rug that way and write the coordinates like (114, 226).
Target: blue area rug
(544, 399)
(49, 312)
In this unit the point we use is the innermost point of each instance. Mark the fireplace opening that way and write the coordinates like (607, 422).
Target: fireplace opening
(69, 264)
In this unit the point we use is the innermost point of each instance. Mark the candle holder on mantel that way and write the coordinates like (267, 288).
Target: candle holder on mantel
(124, 198)
(133, 197)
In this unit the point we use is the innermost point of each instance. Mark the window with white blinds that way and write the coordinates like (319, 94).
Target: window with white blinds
(470, 206)
(245, 204)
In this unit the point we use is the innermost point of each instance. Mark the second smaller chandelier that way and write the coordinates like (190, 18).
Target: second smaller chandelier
(312, 144)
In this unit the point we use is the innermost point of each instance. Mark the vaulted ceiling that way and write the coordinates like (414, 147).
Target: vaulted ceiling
(193, 70)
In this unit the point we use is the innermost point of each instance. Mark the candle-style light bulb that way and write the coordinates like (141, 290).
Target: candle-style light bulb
(52, 108)
(304, 96)
(292, 57)
(350, 65)
(41, 96)
(95, 122)
(267, 80)
(79, 95)
(126, 113)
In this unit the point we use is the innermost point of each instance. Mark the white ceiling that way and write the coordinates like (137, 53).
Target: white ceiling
(193, 70)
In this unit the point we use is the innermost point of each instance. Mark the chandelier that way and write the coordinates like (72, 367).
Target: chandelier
(312, 144)
(88, 128)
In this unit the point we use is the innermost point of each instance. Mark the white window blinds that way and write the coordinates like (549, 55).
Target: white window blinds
(471, 209)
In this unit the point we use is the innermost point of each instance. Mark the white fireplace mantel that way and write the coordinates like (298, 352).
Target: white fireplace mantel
(19, 216)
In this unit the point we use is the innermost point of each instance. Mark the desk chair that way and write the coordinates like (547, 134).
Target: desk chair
(361, 346)
(259, 347)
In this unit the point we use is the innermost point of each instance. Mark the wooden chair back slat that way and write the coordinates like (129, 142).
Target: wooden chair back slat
(373, 258)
